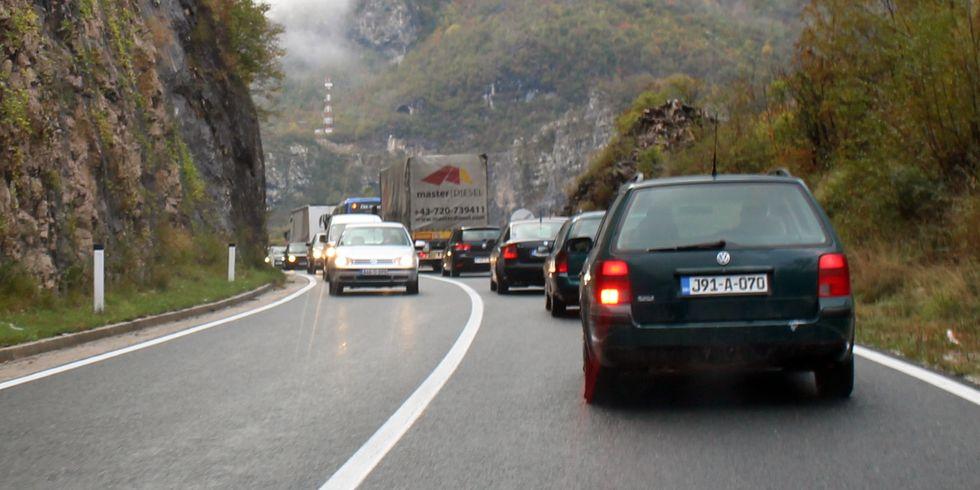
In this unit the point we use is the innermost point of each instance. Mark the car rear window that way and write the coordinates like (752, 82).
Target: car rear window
(542, 230)
(585, 227)
(479, 235)
(378, 236)
(741, 214)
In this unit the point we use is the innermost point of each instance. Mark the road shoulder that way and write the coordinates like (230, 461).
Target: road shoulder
(35, 363)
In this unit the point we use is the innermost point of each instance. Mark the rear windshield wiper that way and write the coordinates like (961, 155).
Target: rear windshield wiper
(695, 246)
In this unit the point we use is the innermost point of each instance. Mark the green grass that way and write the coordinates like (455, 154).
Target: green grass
(910, 309)
(74, 313)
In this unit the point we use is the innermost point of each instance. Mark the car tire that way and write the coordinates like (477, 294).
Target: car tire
(502, 287)
(336, 289)
(412, 287)
(599, 380)
(547, 301)
(493, 284)
(558, 307)
(445, 272)
(836, 381)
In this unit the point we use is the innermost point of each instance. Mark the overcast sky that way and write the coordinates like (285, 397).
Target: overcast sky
(314, 30)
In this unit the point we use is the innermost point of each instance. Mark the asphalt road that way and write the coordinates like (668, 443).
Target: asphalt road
(283, 398)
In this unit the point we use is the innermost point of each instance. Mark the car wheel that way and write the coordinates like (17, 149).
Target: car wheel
(493, 284)
(547, 301)
(502, 287)
(336, 289)
(836, 381)
(599, 380)
(412, 287)
(558, 307)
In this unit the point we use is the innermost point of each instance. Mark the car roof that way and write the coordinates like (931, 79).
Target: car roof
(342, 219)
(588, 214)
(551, 219)
(478, 227)
(384, 224)
(720, 179)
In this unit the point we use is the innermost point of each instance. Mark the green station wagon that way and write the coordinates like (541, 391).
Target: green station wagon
(717, 272)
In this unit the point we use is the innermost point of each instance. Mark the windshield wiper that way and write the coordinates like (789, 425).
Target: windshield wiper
(696, 246)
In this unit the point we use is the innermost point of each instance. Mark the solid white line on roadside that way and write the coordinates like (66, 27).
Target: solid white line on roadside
(942, 382)
(360, 465)
(150, 343)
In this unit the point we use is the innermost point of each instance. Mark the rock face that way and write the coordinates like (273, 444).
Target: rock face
(536, 171)
(120, 119)
(387, 26)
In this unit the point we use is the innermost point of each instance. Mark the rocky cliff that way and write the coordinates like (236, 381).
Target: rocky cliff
(120, 121)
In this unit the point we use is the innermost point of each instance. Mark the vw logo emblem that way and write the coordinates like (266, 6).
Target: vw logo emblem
(723, 258)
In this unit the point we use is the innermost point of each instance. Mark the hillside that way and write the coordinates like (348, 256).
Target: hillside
(534, 84)
(127, 123)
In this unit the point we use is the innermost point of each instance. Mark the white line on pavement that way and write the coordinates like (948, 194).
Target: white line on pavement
(150, 343)
(959, 389)
(360, 465)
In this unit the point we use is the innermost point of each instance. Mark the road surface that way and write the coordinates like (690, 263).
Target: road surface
(285, 397)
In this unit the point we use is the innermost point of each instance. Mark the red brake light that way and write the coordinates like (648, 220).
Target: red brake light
(510, 252)
(835, 277)
(561, 263)
(461, 247)
(613, 283)
(614, 268)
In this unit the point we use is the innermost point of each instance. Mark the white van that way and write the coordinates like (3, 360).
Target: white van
(335, 227)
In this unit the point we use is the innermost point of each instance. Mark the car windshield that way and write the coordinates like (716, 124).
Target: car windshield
(479, 235)
(749, 215)
(375, 236)
(335, 231)
(539, 230)
(585, 227)
(297, 247)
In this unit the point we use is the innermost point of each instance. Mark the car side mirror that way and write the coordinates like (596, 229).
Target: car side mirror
(579, 245)
(420, 244)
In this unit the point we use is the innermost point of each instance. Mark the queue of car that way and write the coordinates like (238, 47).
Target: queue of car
(680, 274)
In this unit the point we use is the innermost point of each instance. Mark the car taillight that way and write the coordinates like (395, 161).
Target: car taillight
(561, 263)
(835, 277)
(462, 247)
(613, 283)
(510, 252)
(423, 255)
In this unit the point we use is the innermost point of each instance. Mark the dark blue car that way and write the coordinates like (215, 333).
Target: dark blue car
(562, 267)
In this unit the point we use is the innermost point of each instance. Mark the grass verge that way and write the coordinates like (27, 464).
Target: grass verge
(74, 313)
(929, 313)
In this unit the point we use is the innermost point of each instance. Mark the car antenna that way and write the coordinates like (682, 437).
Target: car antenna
(714, 153)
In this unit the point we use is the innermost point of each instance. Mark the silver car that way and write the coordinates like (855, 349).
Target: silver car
(374, 255)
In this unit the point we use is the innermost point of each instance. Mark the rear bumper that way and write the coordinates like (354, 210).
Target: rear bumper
(802, 345)
(394, 277)
(463, 263)
(524, 274)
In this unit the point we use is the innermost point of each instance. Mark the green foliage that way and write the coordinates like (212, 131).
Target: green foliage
(13, 109)
(189, 175)
(248, 41)
(16, 23)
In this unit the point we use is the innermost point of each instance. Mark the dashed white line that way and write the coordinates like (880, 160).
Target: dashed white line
(150, 343)
(360, 465)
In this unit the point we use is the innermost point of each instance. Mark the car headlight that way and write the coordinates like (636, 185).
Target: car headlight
(267, 260)
(331, 252)
(292, 258)
(316, 253)
(341, 260)
(407, 260)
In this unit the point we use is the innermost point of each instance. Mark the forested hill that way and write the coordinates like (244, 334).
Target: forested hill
(533, 83)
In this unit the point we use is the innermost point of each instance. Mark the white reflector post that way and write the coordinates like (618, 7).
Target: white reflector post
(231, 262)
(98, 282)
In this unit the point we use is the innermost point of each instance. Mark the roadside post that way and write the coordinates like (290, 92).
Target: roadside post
(98, 267)
(231, 262)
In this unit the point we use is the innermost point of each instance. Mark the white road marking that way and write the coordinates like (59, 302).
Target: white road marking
(360, 465)
(150, 343)
(942, 382)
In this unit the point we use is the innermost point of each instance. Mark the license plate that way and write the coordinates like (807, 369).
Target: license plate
(374, 272)
(435, 255)
(724, 285)
(540, 252)
(481, 260)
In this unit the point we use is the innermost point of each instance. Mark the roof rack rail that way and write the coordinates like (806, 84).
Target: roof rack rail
(780, 172)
